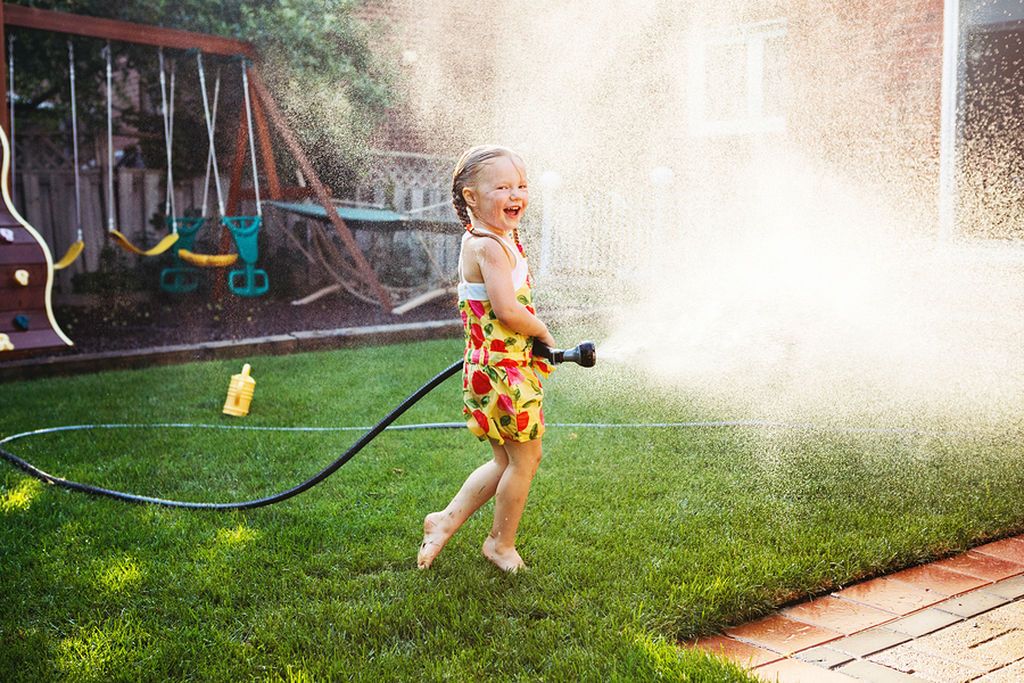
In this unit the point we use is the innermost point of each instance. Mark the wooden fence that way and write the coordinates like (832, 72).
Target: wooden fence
(44, 193)
(418, 184)
(46, 199)
(569, 233)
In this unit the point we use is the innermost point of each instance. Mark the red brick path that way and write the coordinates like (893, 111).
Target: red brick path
(958, 619)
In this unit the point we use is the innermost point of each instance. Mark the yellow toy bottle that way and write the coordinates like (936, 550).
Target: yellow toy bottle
(240, 393)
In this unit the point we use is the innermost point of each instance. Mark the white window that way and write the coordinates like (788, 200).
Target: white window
(736, 77)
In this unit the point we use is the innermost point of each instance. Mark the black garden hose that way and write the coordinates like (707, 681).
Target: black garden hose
(258, 502)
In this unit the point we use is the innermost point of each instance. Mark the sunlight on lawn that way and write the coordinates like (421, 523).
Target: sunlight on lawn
(240, 535)
(21, 496)
(96, 652)
(121, 574)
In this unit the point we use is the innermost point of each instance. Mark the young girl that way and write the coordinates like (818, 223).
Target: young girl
(502, 392)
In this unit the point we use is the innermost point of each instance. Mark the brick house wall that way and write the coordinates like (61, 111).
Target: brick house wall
(859, 90)
(862, 91)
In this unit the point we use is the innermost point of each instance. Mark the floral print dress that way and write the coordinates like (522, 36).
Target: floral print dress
(502, 394)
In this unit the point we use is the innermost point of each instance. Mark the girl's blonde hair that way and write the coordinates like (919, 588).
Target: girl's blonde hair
(468, 167)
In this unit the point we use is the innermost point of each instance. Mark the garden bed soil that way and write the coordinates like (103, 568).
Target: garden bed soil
(131, 322)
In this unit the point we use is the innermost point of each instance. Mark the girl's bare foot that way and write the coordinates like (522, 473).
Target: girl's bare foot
(435, 535)
(507, 560)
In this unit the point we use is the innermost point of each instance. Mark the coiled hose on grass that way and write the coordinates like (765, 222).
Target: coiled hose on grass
(369, 436)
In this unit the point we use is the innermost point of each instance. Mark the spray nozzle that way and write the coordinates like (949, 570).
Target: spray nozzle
(584, 354)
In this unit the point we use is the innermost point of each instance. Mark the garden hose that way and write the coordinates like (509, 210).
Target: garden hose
(571, 355)
(369, 436)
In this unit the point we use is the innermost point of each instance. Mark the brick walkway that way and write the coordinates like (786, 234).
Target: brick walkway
(958, 619)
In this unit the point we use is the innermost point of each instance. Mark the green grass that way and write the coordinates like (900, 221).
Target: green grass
(637, 539)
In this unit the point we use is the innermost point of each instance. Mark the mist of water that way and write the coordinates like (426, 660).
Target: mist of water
(789, 263)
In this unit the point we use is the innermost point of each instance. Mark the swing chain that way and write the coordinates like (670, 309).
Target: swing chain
(110, 140)
(74, 140)
(209, 131)
(10, 100)
(168, 120)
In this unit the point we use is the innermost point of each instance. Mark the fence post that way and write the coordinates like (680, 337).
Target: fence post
(550, 182)
(152, 200)
(662, 178)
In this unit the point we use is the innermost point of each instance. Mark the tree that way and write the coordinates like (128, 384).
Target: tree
(315, 58)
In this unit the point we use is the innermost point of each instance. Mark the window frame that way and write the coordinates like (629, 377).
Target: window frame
(753, 37)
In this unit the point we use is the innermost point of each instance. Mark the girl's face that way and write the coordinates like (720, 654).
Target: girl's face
(499, 195)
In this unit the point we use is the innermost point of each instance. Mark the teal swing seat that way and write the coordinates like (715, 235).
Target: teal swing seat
(182, 278)
(248, 281)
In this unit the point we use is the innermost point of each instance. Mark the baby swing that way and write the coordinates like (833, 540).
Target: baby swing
(248, 281)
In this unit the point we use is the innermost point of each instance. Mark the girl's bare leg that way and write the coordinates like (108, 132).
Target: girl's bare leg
(479, 487)
(509, 501)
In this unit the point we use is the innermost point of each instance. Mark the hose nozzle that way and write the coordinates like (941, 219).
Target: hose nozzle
(584, 354)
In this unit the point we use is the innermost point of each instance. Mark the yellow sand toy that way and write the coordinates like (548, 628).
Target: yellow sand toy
(240, 393)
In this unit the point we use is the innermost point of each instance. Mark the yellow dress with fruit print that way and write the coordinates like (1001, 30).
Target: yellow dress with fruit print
(501, 380)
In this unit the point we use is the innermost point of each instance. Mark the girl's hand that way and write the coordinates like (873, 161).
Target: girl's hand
(548, 340)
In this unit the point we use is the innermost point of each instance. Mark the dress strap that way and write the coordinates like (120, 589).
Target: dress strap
(497, 239)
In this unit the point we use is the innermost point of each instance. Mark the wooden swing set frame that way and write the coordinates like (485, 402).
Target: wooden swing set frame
(263, 105)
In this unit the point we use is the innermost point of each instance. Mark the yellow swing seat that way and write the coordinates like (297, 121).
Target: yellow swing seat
(160, 247)
(207, 260)
(67, 259)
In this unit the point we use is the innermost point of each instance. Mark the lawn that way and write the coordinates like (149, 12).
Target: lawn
(638, 539)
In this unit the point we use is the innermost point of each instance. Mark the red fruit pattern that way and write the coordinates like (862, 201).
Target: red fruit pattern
(502, 392)
(477, 307)
(505, 403)
(481, 383)
(515, 376)
(476, 335)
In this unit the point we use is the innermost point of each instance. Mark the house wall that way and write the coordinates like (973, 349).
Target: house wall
(862, 87)
(881, 116)
(861, 92)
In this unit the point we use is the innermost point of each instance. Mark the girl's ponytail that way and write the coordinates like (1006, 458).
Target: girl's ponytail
(461, 209)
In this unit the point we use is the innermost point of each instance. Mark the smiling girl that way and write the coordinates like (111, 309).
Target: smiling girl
(502, 394)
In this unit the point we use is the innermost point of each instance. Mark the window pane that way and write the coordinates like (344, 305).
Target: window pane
(774, 76)
(726, 79)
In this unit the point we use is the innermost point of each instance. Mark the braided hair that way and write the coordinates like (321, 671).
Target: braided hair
(466, 170)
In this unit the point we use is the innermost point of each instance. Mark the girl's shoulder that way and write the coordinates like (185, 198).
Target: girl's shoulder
(485, 246)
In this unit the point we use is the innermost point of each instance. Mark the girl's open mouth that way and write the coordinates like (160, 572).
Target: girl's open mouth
(513, 211)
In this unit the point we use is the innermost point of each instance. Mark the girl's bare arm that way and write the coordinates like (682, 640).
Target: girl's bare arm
(497, 275)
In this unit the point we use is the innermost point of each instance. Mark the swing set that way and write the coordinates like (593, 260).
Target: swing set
(248, 281)
(254, 125)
